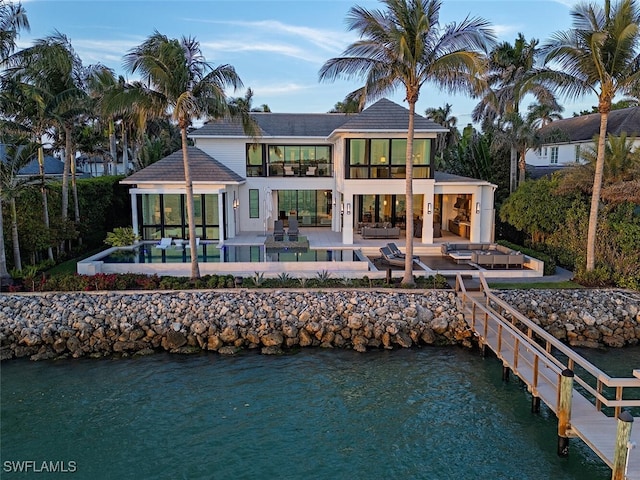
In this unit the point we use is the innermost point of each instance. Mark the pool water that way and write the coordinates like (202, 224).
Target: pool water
(210, 253)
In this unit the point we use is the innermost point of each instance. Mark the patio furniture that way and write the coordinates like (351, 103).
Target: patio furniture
(380, 232)
(164, 243)
(391, 259)
(294, 230)
(288, 170)
(278, 230)
(311, 171)
(397, 252)
(178, 242)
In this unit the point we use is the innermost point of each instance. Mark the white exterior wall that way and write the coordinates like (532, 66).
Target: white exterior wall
(481, 208)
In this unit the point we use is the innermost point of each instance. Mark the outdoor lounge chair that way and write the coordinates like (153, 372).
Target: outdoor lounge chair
(396, 251)
(293, 231)
(391, 259)
(164, 243)
(278, 230)
(188, 244)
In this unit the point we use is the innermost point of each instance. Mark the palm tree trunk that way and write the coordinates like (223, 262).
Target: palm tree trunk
(407, 279)
(513, 170)
(125, 150)
(191, 219)
(113, 149)
(14, 235)
(595, 196)
(74, 188)
(5, 278)
(522, 167)
(45, 202)
(65, 173)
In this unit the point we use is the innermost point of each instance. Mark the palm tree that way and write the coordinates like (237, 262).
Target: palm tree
(510, 78)
(245, 103)
(405, 46)
(18, 153)
(13, 18)
(442, 116)
(543, 114)
(598, 55)
(185, 84)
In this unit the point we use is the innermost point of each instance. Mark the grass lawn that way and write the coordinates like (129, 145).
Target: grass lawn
(70, 265)
(537, 285)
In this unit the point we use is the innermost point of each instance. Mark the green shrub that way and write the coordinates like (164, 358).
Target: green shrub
(121, 237)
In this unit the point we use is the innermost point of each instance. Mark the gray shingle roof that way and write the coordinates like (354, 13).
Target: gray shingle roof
(384, 115)
(170, 169)
(443, 177)
(585, 127)
(387, 115)
(52, 166)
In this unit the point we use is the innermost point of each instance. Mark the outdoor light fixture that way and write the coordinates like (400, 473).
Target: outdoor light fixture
(383, 159)
(477, 207)
(341, 208)
(236, 204)
(429, 208)
(348, 209)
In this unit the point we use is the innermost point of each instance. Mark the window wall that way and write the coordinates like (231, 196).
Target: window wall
(289, 161)
(386, 158)
(387, 209)
(310, 207)
(166, 216)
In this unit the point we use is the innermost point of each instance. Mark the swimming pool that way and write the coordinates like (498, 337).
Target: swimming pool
(228, 254)
(230, 259)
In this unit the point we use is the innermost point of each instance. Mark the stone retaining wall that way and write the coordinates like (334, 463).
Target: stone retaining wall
(95, 324)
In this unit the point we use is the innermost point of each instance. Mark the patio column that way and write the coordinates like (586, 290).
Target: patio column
(221, 218)
(348, 211)
(134, 213)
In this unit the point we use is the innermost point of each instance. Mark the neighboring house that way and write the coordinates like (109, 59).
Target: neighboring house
(336, 171)
(565, 140)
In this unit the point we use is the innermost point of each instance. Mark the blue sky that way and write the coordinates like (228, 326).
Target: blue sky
(277, 47)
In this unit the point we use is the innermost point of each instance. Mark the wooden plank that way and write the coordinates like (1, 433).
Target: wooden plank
(519, 353)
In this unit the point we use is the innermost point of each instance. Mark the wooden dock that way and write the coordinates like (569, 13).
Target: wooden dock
(541, 361)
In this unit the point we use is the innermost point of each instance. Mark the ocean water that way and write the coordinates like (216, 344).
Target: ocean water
(430, 413)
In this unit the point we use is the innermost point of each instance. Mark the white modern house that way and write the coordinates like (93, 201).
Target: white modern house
(340, 172)
(566, 140)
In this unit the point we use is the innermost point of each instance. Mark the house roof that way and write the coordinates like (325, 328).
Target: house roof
(52, 166)
(384, 115)
(442, 177)
(170, 169)
(585, 127)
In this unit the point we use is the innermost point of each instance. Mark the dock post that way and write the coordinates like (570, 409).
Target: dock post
(535, 404)
(564, 412)
(623, 445)
(505, 372)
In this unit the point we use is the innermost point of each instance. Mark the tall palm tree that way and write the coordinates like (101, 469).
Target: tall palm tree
(442, 116)
(540, 114)
(405, 46)
(598, 55)
(18, 153)
(510, 78)
(13, 18)
(189, 87)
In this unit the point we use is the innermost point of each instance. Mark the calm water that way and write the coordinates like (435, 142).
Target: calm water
(431, 413)
(210, 253)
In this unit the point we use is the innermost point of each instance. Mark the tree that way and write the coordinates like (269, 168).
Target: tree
(245, 103)
(185, 84)
(597, 55)
(442, 116)
(18, 153)
(509, 80)
(540, 115)
(405, 46)
(13, 18)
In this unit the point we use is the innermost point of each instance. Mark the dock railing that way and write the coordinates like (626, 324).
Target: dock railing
(546, 356)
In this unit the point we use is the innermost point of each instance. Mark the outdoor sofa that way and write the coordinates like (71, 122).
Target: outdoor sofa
(486, 255)
(380, 232)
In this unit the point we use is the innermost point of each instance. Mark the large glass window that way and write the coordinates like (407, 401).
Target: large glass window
(554, 155)
(386, 158)
(165, 216)
(310, 207)
(254, 203)
(255, 160)
(289, 161)
(387, 210)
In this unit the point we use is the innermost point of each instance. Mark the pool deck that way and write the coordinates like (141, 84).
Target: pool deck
(431, 260)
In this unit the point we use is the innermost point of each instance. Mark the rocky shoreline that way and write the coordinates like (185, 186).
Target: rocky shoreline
(97, 324)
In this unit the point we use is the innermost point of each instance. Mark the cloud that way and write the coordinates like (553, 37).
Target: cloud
(245, 45)
(567, 3)
(506, 30)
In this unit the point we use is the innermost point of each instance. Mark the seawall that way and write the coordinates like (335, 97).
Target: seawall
(97, 324)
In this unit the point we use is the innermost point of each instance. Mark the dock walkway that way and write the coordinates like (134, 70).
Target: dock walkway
(540, 361)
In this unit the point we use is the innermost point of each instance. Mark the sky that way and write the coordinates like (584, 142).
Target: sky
(276, 46)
